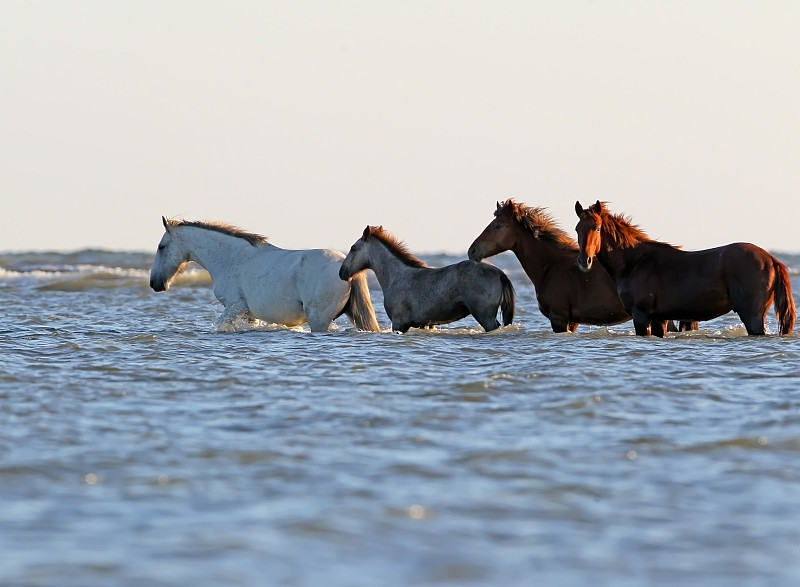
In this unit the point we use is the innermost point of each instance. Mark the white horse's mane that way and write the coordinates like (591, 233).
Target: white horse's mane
(251, 237)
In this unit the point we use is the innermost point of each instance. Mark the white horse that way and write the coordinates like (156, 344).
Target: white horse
(255, 279)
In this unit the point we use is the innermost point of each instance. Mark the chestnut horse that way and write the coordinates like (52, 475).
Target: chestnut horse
(566, 295)
(657, 281)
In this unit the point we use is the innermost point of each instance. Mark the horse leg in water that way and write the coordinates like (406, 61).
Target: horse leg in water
(486, 315)
(641, 322)
(319, 318)
(659, 328)
(753, 322)
(234, 310)
(488, 323)
(559, 324)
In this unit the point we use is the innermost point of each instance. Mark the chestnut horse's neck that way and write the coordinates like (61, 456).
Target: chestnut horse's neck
(621, 241)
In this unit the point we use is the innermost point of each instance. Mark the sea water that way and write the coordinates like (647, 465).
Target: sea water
(140, 444)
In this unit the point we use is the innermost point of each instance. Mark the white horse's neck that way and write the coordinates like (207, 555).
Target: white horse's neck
(215, 251)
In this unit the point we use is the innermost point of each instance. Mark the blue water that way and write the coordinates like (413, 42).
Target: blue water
(140, 445)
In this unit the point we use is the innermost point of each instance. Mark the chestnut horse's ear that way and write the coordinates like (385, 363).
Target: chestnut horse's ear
(578, 208)
(597, 207)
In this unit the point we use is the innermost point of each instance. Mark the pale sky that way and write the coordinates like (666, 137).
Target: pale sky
(307, 120)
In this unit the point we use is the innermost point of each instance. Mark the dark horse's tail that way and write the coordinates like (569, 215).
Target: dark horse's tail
(359, 307)
(784, 302)
(507, 299)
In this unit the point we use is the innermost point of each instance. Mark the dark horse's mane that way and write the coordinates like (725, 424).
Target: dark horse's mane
(539, 223)
(396, 246)
(230, 230)
(621, 230)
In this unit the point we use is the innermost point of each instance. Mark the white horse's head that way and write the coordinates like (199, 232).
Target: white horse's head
(171, 257)
(357, 258)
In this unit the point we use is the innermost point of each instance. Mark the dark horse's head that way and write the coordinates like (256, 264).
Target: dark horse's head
(498, 236)
(588, 228)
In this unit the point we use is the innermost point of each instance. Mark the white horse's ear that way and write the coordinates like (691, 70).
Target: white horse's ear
(165, 223)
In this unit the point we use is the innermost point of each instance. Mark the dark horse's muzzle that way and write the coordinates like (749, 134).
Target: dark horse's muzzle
(585, 262)
(473, 254)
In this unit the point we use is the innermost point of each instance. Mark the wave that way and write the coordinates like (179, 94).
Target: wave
(86, 270)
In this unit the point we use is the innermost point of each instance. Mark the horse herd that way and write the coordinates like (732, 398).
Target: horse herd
(635, 277)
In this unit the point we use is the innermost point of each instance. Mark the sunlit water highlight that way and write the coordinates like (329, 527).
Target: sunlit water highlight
(141, 445)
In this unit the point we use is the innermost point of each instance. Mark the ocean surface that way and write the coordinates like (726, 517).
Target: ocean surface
(142, 445)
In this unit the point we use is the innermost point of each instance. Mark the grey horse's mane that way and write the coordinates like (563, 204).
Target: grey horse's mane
(396, 246)
(224, 228)
(538, 222)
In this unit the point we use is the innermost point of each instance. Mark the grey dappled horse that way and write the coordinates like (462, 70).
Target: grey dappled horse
(415, 295)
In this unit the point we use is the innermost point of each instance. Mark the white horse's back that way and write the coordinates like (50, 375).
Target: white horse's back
(304, 286)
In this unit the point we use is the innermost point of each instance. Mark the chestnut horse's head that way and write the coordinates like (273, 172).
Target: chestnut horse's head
(588, 229)
(498, 236)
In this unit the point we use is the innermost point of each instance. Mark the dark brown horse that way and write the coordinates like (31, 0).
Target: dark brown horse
(566, 295)
(657, 281)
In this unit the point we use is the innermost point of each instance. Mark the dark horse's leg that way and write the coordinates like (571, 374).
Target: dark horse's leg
(558, 324)
(659, 328)
(754, 323)
(489, 323)
(683, 326)
(641, 323)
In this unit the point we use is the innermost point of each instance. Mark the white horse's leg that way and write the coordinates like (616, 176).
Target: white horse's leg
(232, 311)
(318, 323)
(320, 312)
(323, 293)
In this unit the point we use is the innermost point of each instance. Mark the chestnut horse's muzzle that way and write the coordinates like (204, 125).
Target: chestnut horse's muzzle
(585, 262)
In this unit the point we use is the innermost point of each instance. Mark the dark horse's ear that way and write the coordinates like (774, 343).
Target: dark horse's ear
(367, 232)
(499, 205)
(578, 208)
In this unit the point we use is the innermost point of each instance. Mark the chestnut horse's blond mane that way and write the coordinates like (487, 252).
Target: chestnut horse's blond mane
(396, 246)
(224, 228)
(620, 229)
